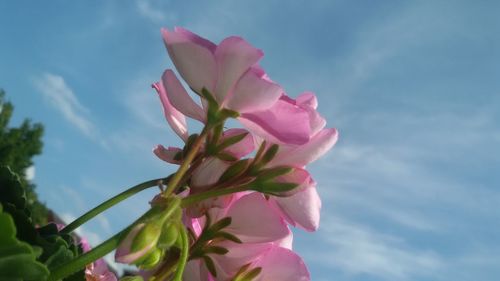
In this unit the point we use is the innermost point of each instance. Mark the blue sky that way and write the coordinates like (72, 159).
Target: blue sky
(411, 190)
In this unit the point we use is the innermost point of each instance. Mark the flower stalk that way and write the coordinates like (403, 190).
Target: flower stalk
(111, 202)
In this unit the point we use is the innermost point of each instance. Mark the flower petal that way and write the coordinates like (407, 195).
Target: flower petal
(283, 123)
(307, 99)
(167, 154)
(253, 93)
(192, 271)
(193, 57)
(302, 209)
(241, 148)
(255, 221)
(299, 176)
(208, 173)
(280, 264)
(175, 118)
(234, 57)
(239, 255)
(179, 98)
(309, 152)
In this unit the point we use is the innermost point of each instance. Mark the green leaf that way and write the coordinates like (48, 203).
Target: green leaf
(230, 141)
(252, 274)
(210, 265)
(247, 275)
(223, 223)
(235, 170)
(58, 248)
(17, 259)
(269, 155)
(273, 188)
(228, 236)
(226, 157)
(11, 188)
(215, 250)
(272, 173)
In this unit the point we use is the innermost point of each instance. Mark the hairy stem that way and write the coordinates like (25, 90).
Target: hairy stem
(172, 184)
(110, 203)
(184, 255)
(96, 253)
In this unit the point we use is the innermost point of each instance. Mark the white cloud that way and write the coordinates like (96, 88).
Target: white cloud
(156, 14)
(61, 96)
(357, 249)
(30, 173)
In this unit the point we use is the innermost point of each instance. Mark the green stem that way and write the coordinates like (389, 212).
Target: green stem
(110, 203)
(195, 198)
(184, 255)
(172, 184)
(87, 258)
(96, 253)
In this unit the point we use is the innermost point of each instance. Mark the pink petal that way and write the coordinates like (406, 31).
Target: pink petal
(280, 264)
(307, 99)
(193, 57)
(192, 271)
(208, 173)
(196, 38)
(286, 242)
(309, 152)
(234, 57)
(253, 93)
(175, 119)
(316, 121)
(239, 255)
(167, 154)
(302, 209)
(299, 176)
(255, 221)
(283, 123)
(179, 98)
(211, 204)
(241, 148)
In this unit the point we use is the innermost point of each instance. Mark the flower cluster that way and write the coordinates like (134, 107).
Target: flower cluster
(240, 188)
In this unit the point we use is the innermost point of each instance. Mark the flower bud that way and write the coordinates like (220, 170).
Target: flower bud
(151, 260)
(139, 242)
(169, 235)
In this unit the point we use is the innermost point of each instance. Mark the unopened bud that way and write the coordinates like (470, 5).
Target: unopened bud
(168, 236)
(151, 260)
(138, 243)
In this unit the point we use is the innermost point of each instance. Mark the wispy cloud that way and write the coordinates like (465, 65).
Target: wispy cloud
(157, 14)
(56, 91)
(357, 249)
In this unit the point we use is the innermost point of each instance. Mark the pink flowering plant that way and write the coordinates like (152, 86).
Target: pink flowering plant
(225, 214)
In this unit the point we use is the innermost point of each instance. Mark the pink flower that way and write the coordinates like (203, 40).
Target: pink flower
(98, 270)
(302, 208)
(230, 72)
(281, 264)
(255, 222)
(227, 70)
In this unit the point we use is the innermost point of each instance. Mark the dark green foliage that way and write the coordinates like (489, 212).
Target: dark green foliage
(52, 248)
(17, 147)
(17, 258)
